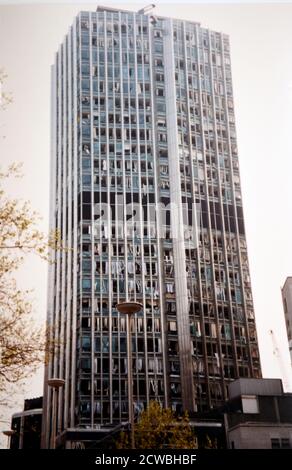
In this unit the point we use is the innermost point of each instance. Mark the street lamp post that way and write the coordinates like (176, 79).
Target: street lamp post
(129, 308)
(55, 383)
(9, 433)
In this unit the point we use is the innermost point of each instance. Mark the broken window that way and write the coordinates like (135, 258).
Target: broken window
(172, 327)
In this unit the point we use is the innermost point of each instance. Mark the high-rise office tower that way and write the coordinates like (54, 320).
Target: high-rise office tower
(146, 193)
(287, 304)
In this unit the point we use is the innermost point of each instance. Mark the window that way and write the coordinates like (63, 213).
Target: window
(85, 387)
(250, 404)
(86, 303)
(172, 326)
(280, 443)
(85, 342)
(86, 284)
(84, 24)
(85, 54)
(105, 344)
(285, 443)
(85, 409)
(85, 365)
(159, 92)
(157, 34)
(275, 443)
(85, 84)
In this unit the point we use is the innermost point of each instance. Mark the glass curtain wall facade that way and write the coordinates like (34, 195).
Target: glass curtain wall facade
(143, 121)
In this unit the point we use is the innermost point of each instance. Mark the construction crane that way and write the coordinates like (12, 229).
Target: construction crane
(277, 353)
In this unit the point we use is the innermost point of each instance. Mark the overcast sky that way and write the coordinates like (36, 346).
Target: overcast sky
(261, 58)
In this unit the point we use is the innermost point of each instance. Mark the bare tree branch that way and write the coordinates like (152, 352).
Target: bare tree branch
(24, 345)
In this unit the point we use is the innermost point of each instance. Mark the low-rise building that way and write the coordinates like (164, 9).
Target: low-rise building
(27, 425)
(258, 415)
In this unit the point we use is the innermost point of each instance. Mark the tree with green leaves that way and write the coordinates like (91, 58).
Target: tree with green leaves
(160, 428)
